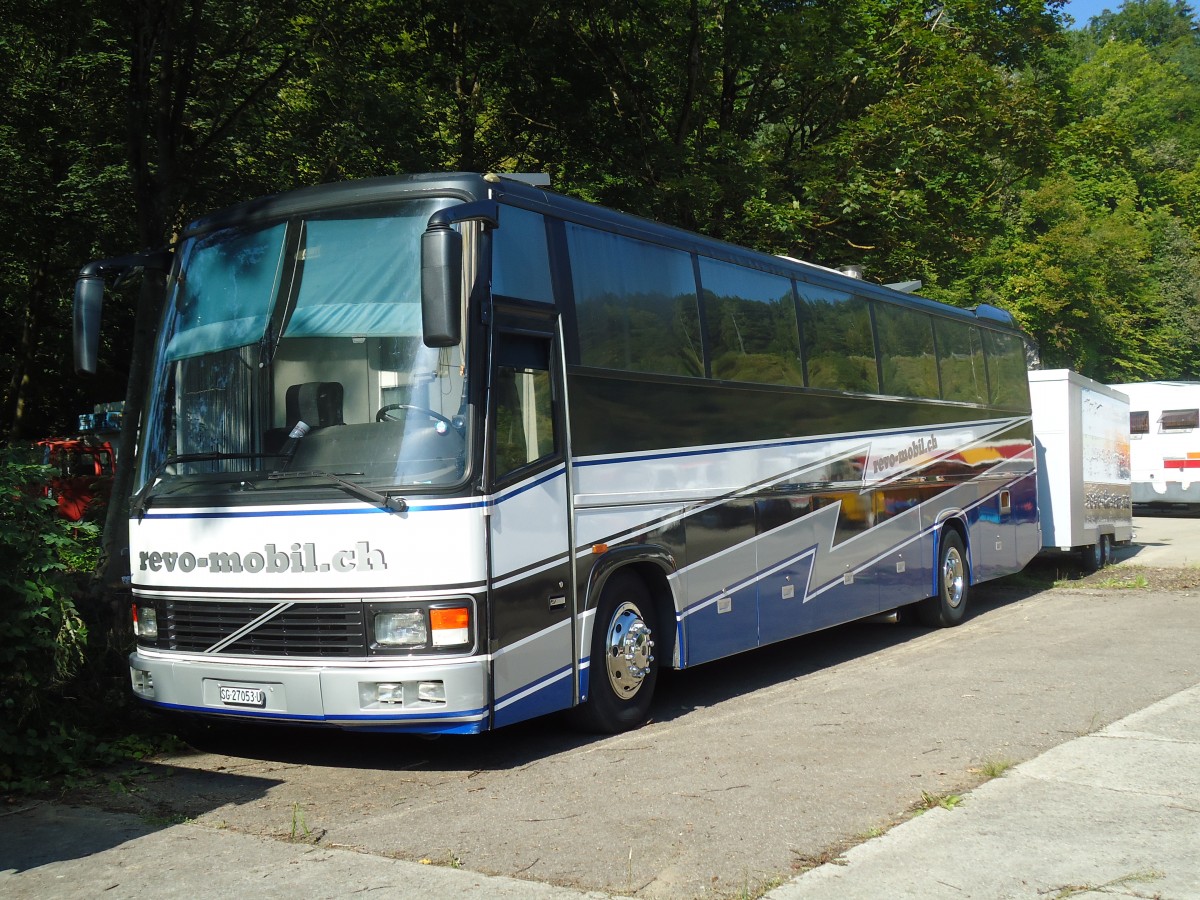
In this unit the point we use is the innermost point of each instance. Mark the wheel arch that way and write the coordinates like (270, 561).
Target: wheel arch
(652, 565)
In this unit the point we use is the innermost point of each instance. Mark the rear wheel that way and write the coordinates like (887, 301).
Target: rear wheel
(949, 605)
(622, 672)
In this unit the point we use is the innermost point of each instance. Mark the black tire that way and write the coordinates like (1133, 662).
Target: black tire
(1091, 557)
(1106, 549)
(622, 672)
(948, 607)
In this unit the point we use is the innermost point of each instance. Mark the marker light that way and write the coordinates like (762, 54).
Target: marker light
(450, 627)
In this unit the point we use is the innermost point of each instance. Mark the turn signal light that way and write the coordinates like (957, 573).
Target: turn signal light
(451, 626)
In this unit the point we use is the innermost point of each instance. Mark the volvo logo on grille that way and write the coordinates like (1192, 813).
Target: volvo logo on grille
(272, 560)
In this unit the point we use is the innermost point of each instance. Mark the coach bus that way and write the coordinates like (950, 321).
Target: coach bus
(441, 453)
(1164, 442)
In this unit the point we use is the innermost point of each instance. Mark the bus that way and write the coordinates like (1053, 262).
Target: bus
(1164, 442)
(441, 453)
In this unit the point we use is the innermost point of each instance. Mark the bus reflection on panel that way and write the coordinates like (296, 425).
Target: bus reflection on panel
(441, 453)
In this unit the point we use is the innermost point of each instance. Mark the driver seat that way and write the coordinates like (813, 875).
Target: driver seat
(316, 403)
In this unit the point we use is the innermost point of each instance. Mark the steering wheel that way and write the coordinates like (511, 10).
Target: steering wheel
(382, 415)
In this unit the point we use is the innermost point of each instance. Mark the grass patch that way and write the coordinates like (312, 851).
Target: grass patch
(994, 767)
(930, 801)
(1121, 582)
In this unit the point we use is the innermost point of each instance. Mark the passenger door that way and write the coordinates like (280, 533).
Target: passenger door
(530, 555)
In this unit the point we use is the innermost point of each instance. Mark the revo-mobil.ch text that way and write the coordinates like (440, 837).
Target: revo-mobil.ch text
(272, 560)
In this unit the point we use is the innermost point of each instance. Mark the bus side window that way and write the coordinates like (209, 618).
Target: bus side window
(520, 260)
(960, 361)
(751, 325)
(906, 350)
(838, 342)
(524, 412)
(636, 304)
(1007, 378)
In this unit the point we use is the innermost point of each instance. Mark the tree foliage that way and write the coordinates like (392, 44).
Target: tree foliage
(979, 147)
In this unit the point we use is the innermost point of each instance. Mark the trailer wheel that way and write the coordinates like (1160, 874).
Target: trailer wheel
(1096, 556)
(622, 672)
(949, 605)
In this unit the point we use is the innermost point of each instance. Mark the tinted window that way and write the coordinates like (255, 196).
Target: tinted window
(960, 361)
(906, 352)
(1139, 422)
(635, 304)
(838, 343)
(1008, 381)
(520, 263)
(524, 428)
(750, 321)
(1180, 419)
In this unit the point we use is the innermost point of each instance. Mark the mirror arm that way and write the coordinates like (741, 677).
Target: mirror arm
(485, 211)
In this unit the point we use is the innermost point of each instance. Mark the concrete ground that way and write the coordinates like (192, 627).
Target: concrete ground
(1115, 812)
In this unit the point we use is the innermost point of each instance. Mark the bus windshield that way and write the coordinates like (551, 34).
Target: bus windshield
(295, 346)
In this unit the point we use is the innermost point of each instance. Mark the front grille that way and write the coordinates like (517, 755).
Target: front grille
(303, 629)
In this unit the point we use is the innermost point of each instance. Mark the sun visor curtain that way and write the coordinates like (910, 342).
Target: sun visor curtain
(360, 276)
(225, 294)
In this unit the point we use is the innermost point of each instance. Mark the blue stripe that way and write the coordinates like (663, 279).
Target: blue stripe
(283, 512)
(413, 718)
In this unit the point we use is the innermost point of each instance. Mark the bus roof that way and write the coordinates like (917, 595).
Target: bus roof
(532, 191)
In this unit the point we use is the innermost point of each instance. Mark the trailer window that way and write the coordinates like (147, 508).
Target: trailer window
(1139, 422)
(1179, 419)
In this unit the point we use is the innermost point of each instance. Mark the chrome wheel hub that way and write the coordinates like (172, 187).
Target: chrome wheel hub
(954, 577)
(628, 651)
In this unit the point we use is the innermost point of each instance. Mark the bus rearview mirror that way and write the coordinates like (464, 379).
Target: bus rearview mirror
(441, 286)
(89, 303)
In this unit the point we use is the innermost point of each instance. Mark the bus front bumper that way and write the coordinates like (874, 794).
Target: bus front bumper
(430, 697)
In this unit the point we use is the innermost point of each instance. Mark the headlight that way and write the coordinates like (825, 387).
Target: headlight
(401, 629)
(145, 622)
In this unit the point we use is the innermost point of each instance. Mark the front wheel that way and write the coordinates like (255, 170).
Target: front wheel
(949, 605)
(622, 672)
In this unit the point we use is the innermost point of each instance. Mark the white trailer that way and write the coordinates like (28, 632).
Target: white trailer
(1081, 435)
(1164, 442)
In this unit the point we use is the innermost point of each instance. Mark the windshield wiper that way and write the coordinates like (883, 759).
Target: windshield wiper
(142, 498)
(395, 504)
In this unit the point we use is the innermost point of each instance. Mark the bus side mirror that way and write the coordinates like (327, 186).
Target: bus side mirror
(89, 299)
(441, 286)
(89, 303)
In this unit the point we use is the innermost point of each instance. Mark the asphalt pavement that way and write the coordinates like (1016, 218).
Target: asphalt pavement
(1113, 812)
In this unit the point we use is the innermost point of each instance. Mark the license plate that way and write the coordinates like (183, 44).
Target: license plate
(239, 696)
